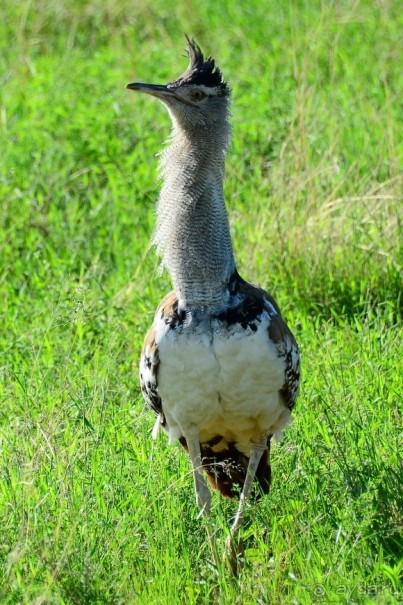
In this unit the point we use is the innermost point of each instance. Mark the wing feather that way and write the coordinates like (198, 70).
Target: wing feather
(167, 313)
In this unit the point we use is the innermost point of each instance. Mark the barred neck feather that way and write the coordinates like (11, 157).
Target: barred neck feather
(192, 233)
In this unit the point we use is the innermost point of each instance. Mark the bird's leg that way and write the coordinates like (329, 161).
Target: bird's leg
(258, 446)
(203, 496)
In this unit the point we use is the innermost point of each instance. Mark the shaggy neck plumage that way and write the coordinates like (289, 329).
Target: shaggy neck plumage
(192, 234)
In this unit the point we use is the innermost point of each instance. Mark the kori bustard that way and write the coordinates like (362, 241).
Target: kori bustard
(219, 366)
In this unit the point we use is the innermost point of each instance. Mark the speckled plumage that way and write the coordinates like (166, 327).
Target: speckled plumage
(230, 372)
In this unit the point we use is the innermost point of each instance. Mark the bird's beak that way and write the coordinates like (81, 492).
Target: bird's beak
(156, 90)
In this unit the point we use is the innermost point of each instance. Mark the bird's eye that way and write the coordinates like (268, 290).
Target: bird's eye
(197, 95)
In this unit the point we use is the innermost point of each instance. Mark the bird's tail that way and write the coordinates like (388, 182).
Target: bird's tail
(226, 468)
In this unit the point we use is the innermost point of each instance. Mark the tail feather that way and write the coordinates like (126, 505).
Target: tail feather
(226, 469)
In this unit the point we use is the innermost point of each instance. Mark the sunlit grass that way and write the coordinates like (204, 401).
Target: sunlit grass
(93, 511)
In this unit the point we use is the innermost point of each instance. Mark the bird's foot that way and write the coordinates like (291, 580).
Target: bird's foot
(234, 553)
(203, 499)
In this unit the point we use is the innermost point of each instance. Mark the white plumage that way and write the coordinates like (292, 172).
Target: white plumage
(237, 399)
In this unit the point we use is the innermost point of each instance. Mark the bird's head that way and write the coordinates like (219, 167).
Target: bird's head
(199, 97)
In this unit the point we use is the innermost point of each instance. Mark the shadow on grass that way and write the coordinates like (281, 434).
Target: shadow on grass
(347, 294)
(373, 475)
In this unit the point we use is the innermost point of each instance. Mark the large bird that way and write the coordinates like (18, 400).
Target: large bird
(219, 368)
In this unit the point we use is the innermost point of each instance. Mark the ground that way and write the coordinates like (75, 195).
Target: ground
(91, 509)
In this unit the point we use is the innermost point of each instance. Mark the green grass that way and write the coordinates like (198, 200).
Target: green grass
(91, 510)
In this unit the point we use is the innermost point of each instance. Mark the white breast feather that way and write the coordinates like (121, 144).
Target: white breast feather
(225, 384)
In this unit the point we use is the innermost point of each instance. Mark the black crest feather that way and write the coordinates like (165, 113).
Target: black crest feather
(200, 70)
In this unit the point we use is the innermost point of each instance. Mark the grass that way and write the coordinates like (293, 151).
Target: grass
(91, 510)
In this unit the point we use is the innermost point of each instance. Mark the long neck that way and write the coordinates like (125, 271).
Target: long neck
(192, 233)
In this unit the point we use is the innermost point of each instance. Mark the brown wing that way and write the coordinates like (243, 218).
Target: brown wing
(169, 314)
(287, 349)
(149, 362)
